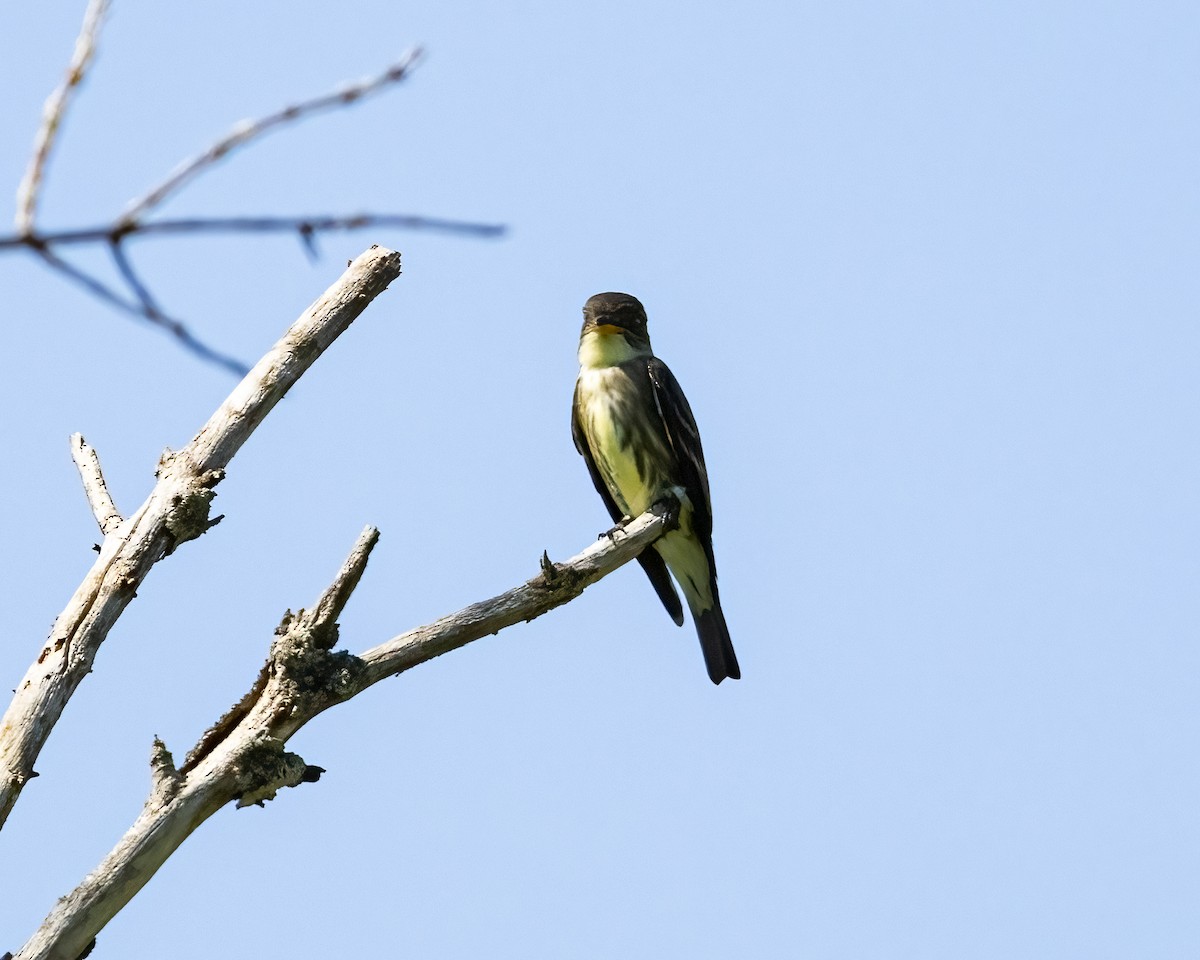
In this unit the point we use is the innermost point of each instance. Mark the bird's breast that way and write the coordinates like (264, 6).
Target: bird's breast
(624, 432)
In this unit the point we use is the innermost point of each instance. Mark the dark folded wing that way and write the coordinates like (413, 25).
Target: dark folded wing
(684, 438)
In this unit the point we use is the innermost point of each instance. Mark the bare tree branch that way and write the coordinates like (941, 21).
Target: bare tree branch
(131, 222)
(249, 130)
(53, 113)
(82, 278)
(333, 601)
(112, 233)
(557, 584)
(242, 757)
(102, 291)
(99, 499)
(176, 511)
(147, 308)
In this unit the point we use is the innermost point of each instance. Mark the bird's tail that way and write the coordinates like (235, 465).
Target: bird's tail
(714, 641)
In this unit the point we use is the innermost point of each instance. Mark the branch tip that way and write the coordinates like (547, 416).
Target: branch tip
(94, 487)
(333, 601)
(165, 780)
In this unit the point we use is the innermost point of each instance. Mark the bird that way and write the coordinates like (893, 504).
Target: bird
(634, 428)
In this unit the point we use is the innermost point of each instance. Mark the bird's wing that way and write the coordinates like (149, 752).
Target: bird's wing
(652, 563)
(684, 438)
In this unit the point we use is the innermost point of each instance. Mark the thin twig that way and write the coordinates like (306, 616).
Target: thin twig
(175, 328)
(99, 499)
(89, 283)
(320, 223)
(249, 130)
(52, 115)
(150, 308)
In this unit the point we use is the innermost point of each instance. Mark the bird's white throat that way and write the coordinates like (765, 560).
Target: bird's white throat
(598, 350)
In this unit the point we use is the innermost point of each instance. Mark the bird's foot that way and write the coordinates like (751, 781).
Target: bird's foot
(668, 508)
(612, 533)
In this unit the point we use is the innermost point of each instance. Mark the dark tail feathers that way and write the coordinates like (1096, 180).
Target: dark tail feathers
(718, 648)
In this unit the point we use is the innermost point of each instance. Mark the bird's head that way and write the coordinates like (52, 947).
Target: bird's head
(616, 314)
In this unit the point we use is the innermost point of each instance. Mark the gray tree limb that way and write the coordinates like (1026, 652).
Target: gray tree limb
(176, 511)
(242, 758)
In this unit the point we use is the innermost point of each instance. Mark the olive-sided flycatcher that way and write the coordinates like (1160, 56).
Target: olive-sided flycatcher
(633, 426)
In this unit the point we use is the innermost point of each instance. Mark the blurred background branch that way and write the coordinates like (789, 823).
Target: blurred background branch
(136, 299)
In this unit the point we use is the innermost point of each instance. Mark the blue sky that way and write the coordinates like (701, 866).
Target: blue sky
(928, 275)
